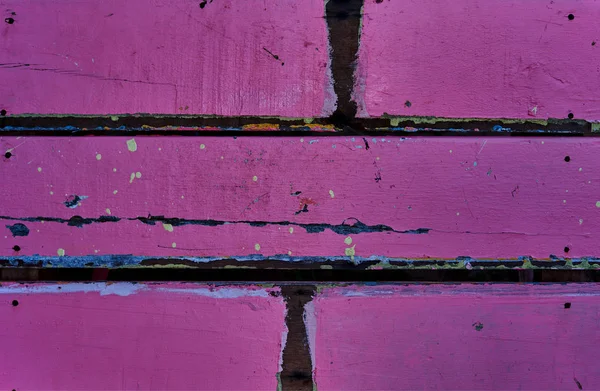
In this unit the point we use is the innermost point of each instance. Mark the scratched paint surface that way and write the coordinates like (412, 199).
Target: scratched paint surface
(479, 58)
(137, 336)
(330, 196)
(172, 57)
(467, 337)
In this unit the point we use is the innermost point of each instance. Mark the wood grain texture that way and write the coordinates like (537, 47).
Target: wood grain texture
(171, 57)
(461, 337)
(293, 198)
(137, 336)
(479, 58)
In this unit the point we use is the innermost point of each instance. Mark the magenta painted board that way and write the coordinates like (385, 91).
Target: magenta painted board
(479, 58)
(206, 197)
(165, 56)
(125, 336)
(456, 337)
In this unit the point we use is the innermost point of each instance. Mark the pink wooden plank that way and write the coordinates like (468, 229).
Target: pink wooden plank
(137, 336)
(479, 58)
(161, 56)
(444, 337)
(416, 197)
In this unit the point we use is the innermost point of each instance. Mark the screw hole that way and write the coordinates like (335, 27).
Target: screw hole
(570, 116)
(9, 20)
(567, 306)
(567, 159)
(571, 16)
(567, 249)
(15, 303)
(7, 155)
(17, 248)
(3, 112)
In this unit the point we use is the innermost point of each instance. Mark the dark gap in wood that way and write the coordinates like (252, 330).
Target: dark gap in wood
(296, 374)
(343, 21)
(241, 126)
(299, 276)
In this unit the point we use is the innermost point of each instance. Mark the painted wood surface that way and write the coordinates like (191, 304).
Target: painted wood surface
(171, 57)
(462, 337)
(136, 336)
(292, 198)
(479, 58)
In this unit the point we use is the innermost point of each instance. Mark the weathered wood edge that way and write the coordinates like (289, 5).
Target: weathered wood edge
(292, 262)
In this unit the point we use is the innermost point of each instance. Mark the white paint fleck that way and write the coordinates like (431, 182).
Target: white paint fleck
(289, 253)
(348, 240)
(114, 170)
(291, 230)
(597, 204)
(61, 252)
(580, 221)
(132, 177)
(257, 246)
(331, 194)
(131, 145)
(39, 169)
(580, 169)
(173, 244)
(115, 192)
(255, 178)
(107, 211)
(98, 156)
(168, 227)
(458, 213)
(138, 175)
(202, 146)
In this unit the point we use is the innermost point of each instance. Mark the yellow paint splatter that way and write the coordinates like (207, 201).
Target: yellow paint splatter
(255, 178)
(257, 247)
(168, 227)
(291, 230)
(115, 192)
(61, 252)
(138, 175)
(350, 252)
(131, 145)
(173, 244)
(39, 169)
(202, 146)
(98, 156)
(331, 194)
(107, 211)
(348, 240)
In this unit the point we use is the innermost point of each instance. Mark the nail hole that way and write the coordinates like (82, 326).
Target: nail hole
(203, 4)
(570, 115)
(15, 303)
(3, 112)
(9, 20)
(567, 159)
(567, 249)
(17, 248)
(407, 103)
(567, 305)
(571, 16)
(7, 155)
(593, 43)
